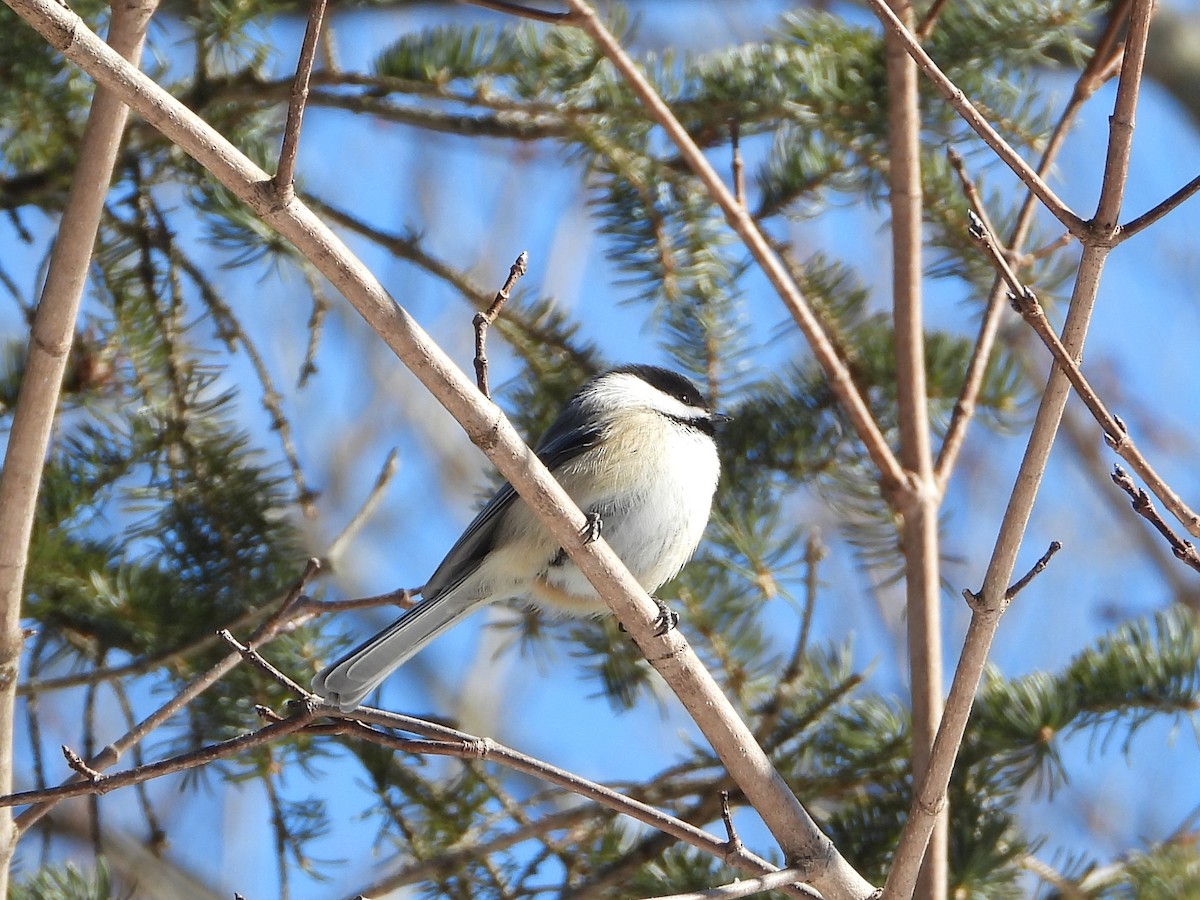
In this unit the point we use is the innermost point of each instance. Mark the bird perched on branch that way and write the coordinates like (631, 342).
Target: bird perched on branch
(634, 448)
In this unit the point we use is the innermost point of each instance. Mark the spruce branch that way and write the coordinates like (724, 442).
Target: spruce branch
(930, 793)
(891, 475)
(488, 429)
(53, 333)
(275, 624)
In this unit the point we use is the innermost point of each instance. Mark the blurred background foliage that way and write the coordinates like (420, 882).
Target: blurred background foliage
(224, 419)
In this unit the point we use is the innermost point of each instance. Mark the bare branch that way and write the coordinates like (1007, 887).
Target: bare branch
(526, 12)
(975, 600)
(374, 498)
(1182, 549)
(734, 842)
(919, 506)
(75, 761)
(256, 659)
(1025, 302)
(277, 623)
(1038, 568)
(1148, 218)
(102, 784)
(669, 654)
(930, 793)
(743, 888)
(285, 172)
(892, 476)
(979, 124)
(484, 319)
(739, 169)
(53, 333)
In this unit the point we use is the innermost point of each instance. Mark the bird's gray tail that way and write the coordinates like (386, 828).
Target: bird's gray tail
(346, 682)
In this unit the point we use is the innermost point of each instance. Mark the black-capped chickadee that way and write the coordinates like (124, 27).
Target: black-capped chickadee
(634, 448)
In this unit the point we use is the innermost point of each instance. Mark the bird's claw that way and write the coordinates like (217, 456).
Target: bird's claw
(593, 527)
(666, 620)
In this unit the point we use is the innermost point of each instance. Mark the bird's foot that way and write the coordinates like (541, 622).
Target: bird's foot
(593, 527)
(666, 620)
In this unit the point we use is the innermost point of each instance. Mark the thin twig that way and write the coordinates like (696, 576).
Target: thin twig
(484, 319)
(979, 124)
(1183, 550)
(1025, 302)
(1066, 889)
(1027, 259)
(401, 597)
(386, 473)
(931, 17)
(735, 842)
(1148, 218)
(75, 761)
(974, 600)
(743, 888)
(286, 170)
(256, 659)
(1038, 568)
(526, 12)
(739, 169)
(204, 755)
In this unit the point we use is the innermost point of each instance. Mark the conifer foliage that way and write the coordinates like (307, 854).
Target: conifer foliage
(193, 471)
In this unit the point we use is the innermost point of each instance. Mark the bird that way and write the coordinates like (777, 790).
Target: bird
(635, 448)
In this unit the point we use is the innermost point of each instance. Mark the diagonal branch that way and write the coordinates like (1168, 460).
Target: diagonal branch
(1148, 218)
(892, 476)
(1026, 303)
(487, 427)
(979, 124)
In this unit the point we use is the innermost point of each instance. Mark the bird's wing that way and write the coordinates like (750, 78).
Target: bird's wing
(563, 440)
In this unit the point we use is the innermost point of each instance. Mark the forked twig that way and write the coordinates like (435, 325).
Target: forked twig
(486, 318)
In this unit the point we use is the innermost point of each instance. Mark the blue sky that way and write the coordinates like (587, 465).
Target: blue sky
(478, 210)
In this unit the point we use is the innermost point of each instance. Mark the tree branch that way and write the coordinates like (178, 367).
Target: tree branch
(49, 347)
(285, 172)
(919, 509)
(669, 654)
(277, 623)
(1148, 218)
(978, 123)
(1026, 303)
(930, 794)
